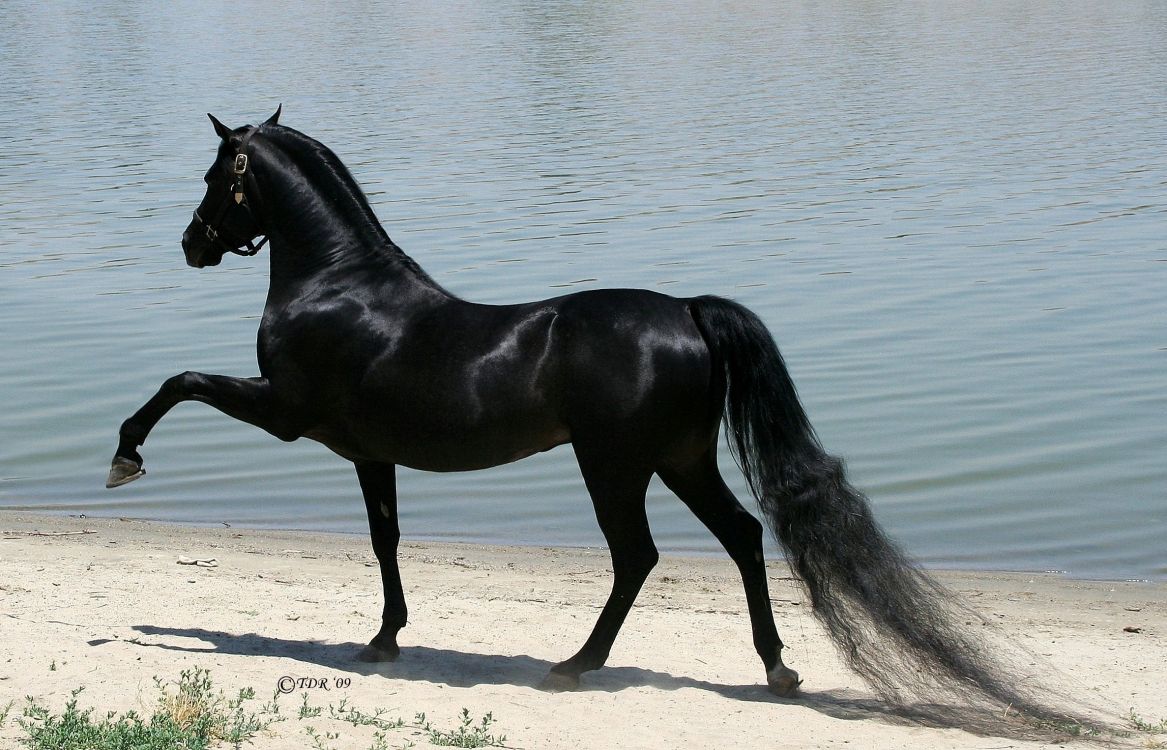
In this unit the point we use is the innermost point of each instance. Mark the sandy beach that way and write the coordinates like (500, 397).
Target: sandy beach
(105, 604)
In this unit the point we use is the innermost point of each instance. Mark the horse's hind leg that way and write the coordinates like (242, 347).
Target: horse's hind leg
(617, 490)
(379, 486)
(702, 489)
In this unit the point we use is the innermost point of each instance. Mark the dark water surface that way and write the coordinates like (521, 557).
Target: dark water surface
(950, 214)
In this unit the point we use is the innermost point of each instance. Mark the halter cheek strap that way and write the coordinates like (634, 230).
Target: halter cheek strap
(233, 198)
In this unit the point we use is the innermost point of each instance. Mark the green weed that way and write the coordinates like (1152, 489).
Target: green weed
(309, 712)
(1142, 725)
(468, 734)
(191, 717)
(358, 718)
(191, 714)
(318, 739)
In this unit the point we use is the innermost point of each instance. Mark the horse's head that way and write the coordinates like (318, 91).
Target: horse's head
(224, 221)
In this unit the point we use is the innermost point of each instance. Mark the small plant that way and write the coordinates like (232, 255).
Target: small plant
(1142, 725)
(272, 707)
(358, 718)
(242, 726)
(208, 714)
(4, 713)
(309, 712)
(318, 739)
(381, 742)
(76, 730)
(466, 735)
(191, 717)
(191, 714)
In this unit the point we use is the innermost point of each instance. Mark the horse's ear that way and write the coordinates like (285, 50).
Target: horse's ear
(222, 130)
(275, 119)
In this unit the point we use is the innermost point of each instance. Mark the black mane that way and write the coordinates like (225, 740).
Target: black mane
(327, 176)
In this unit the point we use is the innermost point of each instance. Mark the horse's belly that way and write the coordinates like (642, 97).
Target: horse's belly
(431, 448)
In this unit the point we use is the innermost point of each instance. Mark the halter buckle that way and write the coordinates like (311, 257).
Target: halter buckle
(240, 170)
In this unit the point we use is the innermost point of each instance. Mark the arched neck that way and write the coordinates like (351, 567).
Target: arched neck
(318, 219)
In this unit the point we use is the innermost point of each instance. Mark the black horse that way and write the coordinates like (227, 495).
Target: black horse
(362, 351)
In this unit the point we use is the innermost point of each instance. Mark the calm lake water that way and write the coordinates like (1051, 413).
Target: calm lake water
(950, 214)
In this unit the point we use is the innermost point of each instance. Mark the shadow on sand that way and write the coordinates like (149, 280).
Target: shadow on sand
(468, 669)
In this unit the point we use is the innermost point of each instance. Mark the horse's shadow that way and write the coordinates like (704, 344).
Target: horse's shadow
(469, 669)
(423, 663)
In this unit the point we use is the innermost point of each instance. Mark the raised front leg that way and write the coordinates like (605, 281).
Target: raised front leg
(247, 399)
(379, 485)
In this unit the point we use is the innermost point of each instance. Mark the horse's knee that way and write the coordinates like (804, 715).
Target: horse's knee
(179, 385)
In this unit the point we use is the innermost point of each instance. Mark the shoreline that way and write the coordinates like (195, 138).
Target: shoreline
(714, 554)
(103, 603)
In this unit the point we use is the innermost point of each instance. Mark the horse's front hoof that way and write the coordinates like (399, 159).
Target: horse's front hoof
(783, 682)
(123, 471)
(556, 682)
(374, 654)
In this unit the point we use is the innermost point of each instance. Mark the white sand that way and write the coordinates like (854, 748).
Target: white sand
(111, 609)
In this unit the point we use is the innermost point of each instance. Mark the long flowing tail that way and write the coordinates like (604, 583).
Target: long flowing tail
(893, 624)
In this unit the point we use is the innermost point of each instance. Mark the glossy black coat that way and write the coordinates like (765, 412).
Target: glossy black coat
(360, 350)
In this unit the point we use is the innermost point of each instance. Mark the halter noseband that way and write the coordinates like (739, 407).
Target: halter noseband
(233, 198)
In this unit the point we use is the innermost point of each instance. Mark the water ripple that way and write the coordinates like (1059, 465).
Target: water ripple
(950, 215)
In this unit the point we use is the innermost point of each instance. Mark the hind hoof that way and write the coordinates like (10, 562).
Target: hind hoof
(375, 654)
(783, 682)
(556, 682)
(123, 471)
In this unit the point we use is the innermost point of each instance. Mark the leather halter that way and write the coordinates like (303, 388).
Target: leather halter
(234, 197)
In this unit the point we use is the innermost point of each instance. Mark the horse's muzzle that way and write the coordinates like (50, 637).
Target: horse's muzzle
(198, 254)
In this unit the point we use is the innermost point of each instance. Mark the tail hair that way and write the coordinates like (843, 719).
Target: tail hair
(895, 626)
